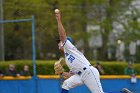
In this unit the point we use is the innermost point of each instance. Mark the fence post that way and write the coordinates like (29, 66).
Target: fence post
(2, 58)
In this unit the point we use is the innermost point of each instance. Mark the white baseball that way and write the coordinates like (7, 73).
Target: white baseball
(56, 10)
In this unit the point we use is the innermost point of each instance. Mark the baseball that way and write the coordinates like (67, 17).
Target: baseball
(56, 10)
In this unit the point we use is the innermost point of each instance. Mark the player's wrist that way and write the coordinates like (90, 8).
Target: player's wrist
(62, 73)
(59, 20)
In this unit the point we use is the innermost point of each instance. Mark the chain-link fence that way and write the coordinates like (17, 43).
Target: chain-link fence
(43, 12)
(19, 41)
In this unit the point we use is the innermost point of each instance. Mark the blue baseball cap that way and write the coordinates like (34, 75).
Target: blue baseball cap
(70, 39)
(57, 38)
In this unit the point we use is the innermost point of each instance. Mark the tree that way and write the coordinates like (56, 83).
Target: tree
(131, 26)
(104, 14)
(77, 15)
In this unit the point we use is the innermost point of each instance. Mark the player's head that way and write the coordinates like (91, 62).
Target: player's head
(57, 38)
(60, 44)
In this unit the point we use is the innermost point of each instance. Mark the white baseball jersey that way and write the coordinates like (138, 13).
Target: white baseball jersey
(76, 61)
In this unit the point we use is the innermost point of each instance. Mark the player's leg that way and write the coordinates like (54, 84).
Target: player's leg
(71, 82)
(91, 79)
(64, 91)
(119, 92)
(124, 90)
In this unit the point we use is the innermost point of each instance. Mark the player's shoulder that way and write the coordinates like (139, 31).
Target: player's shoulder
(68, 42)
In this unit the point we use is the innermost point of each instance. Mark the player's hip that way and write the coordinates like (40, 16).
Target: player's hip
(90, 70)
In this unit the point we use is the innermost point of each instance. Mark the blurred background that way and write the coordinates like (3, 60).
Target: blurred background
(106, 30)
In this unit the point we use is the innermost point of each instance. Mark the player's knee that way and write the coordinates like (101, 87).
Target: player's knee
(66, 85)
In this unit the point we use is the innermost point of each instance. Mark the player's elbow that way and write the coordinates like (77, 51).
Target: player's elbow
(63, 37)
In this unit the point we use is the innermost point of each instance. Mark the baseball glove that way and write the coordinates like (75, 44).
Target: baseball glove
(62, 61)
(58, 66)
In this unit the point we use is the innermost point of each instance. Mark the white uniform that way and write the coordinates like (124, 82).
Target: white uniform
(84, 72)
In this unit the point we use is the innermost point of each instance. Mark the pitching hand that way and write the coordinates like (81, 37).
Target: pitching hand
(57, 14)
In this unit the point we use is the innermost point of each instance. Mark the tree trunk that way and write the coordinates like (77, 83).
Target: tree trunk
(107, 26)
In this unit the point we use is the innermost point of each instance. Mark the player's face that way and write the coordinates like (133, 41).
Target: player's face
(60, 46)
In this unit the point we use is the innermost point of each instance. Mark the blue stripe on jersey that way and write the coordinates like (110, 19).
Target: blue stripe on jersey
(68, 38)
(64, 42)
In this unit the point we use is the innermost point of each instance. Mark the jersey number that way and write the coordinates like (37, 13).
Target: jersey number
(71, 58)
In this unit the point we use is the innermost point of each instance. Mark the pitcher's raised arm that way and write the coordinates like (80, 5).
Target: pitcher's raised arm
(61, 29)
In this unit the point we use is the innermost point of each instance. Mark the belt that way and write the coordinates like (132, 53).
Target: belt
(80, 72)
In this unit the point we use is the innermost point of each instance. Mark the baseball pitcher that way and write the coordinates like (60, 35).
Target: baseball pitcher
(81, 71)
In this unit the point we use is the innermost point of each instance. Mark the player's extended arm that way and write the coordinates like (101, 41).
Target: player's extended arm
(61, 29)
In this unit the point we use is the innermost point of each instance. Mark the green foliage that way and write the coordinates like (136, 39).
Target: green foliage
(76, 16)
(46, 67)
(114, 68)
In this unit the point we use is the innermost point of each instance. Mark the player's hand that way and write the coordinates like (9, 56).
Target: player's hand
(58, 15)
